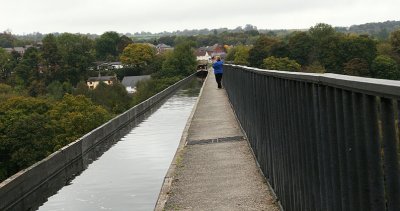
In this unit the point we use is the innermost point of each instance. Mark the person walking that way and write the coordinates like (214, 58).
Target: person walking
(218, 71)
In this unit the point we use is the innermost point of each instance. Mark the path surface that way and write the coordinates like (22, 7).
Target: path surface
(216, 169)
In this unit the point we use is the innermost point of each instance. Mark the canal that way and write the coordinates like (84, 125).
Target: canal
(129, 173)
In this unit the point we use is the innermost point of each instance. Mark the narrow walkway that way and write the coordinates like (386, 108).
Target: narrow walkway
(216, 170)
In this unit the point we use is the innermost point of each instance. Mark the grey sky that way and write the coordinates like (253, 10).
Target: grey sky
(98, 16)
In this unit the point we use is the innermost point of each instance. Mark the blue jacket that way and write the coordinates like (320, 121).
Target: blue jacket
(218, 67)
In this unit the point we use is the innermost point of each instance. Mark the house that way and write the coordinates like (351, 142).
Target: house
(215, 50)
(130, 82)
(20, 50)
(93, 82)
(115, 65)
(218, 50)
(202, 55)
(100, 65)
(161, 48)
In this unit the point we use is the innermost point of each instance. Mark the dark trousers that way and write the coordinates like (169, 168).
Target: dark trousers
(218, 78)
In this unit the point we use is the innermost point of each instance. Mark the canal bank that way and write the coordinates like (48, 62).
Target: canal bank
(214, 168)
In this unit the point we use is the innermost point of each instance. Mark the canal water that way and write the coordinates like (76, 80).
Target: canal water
(129, 175)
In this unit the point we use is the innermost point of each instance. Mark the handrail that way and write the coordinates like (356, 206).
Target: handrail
(323, 141)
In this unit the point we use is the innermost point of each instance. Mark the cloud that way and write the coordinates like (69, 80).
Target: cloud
(93, 16)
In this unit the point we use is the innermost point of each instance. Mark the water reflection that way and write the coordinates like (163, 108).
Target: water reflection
(130, 171)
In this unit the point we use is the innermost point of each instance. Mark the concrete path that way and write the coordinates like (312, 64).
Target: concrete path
(216, 169)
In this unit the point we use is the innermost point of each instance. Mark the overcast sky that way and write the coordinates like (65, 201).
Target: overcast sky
(98, 16)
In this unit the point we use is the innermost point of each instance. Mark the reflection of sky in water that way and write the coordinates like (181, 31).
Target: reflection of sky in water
(130, 174)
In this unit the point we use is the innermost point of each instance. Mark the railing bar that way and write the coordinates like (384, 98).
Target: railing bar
(391, 157)
(324, 139)
(360, 150)
(318, 140)
(375, 167)
(294, 145)
(286, 131)
(341, 147)
(352, 180)
(306, 197)
(332, 143)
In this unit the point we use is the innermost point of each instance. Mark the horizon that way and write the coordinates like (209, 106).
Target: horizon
(181, 30)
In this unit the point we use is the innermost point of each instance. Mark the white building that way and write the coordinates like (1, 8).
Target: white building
(130, 82)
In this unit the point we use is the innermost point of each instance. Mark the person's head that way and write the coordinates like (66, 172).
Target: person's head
(218, 58)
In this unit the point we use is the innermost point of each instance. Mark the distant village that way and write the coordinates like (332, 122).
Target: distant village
(203, 56)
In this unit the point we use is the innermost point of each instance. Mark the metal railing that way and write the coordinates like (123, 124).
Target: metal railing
(323, 141)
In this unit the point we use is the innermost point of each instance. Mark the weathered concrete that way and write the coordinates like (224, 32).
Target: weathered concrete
(216, 169)
(30, 184)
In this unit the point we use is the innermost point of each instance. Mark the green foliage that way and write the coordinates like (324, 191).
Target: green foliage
(180, 62)
(113, 97)
(37, 88)
(146, 89)
(75, 116)
(285, 64)
(50, 53)
(123, 42)
(76, 57)
(384, 48)
(321, 31)
(300, 46)
(26, 135)
(385, 67)
(261, 50)
(107, 46)
(27, 69)
(379, 30)
(5, 64)
(357, 67)
(315, 67)
(395, 41)
(6, 40)
(242, 55)
(362, 47)
(137, 55)
(55, 90)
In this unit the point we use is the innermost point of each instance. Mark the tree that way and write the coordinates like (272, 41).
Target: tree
(285, 64)
(5, 64)
(28, 68)
(6, 40)
(385, 67)
(181, 62)
(315, 67)
(321, 31)
(230, 56)
(26, 135)
(107, 46)
(261, 49)
(74, 116)
(354, 46)
(300, 46)
(76, 57)
(51, 57)
(122, 43)
(113, 97)
(50, 53)
(357, 67)
(55, 90)
(394, 40)
(241, 56)
(138, 55)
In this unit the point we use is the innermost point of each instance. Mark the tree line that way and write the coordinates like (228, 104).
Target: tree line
(323, 49)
